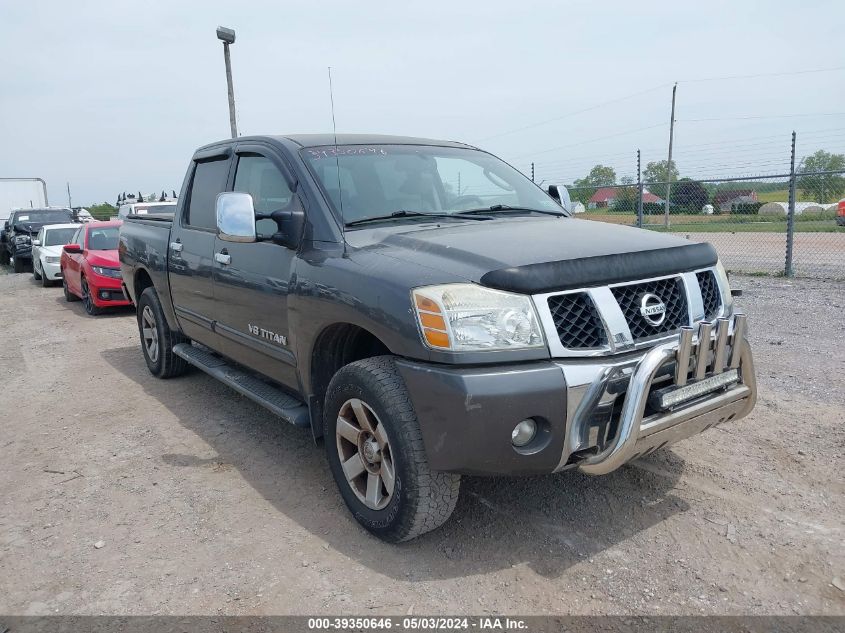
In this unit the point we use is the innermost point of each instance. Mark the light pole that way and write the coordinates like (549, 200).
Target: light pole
(227, 36)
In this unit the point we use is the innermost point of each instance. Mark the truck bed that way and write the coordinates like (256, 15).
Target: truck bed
(144, 244)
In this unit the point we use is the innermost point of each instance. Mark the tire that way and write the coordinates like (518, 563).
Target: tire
(421, 500)
(4, 257)
(35, 272)
(69, 296)
(161, 361)
(88, 300)
(46, 283)
(19, 265)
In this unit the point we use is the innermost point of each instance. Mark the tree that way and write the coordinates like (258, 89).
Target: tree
(689, 194)
(822, 187)
(102, 211)
(599, 176)
(659, 171)
(626, 195)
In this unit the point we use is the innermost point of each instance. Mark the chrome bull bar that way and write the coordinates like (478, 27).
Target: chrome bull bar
(704, 356)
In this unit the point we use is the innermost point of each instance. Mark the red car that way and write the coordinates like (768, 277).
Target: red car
(91, 269)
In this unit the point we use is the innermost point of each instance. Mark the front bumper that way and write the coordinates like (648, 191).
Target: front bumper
(51, 272)
(594, 414)
(107, 292)
(22, 251)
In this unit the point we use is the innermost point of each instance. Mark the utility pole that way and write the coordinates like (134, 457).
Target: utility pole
(227, 36)
(69, 203)
(532, 171)
(669, 165)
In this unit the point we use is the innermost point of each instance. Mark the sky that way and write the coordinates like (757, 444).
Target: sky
(115, 96)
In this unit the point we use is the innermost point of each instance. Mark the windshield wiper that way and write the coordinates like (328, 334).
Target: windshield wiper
(416, 214)
(506, 208)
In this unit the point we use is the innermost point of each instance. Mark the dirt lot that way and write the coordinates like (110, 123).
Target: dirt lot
(814, 254)
(123, 494)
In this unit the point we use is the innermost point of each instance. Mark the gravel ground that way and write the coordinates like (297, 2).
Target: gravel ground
(123, 494)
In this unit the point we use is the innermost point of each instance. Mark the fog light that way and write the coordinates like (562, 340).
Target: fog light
(524, 432)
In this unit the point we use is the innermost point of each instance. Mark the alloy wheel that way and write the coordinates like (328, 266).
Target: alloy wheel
(365, 455)
(87, 301)
(149, 333)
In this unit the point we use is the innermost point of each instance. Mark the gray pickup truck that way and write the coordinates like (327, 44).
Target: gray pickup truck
(430, 312)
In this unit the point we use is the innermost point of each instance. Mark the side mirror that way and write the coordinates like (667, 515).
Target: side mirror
(72, 248)
(235, 217)
(36, 242)
(561, 194)
(291, 223)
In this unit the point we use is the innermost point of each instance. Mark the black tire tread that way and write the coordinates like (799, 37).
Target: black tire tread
(69, 296)
(432, 495)
(170, 365)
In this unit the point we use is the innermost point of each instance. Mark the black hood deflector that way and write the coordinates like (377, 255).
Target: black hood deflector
(600, 270)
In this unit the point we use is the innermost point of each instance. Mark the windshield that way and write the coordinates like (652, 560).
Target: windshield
(59, 237)
(103, 238)
(377, 180)
(43, 216)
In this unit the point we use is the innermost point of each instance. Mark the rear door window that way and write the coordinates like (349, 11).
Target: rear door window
(208, 181)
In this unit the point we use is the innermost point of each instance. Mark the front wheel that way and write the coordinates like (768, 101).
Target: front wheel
(377, 457)
(35, 272)
(157, 339)
(69, 296)
(88, 301)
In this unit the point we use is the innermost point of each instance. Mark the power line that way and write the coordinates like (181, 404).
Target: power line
(593, 140)
(574, 112)
(766, 116)
(775, 74)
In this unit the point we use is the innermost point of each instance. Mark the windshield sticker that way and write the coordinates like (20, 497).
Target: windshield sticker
(331, 152)
(23, 218)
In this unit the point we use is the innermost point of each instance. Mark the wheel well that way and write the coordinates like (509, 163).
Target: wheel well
(142, 282)
(336, 346)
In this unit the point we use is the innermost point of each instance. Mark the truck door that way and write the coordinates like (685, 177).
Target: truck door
(251, 279)
(191, 249)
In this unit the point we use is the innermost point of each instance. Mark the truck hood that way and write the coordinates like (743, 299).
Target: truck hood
(535, 254)
(28, 228)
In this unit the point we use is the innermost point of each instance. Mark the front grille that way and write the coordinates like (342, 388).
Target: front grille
(577, 321)
(669, 291)
(709, 294)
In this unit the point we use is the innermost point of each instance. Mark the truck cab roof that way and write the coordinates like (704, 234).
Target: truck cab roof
(319, 140)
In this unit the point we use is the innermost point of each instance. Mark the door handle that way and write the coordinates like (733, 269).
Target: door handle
(176, 247)
(222, 258)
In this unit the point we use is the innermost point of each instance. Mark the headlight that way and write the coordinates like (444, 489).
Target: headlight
(107, 272)
(465, 317)
(51, 259)
(21, 239)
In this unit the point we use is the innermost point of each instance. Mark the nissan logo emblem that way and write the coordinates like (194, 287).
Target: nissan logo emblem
(653, 309)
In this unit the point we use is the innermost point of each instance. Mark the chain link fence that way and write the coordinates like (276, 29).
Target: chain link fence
(788, 224)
